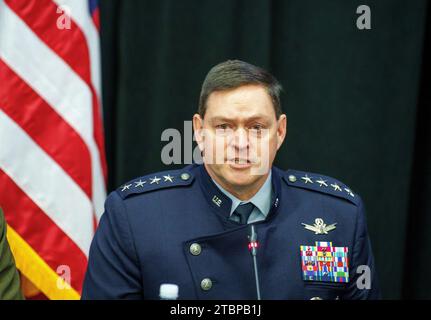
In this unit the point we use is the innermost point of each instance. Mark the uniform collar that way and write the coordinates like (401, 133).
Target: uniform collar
(223, 204)
(216, 199)
(261, 200)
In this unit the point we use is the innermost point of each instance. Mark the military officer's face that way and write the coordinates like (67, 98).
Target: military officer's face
(239, 136)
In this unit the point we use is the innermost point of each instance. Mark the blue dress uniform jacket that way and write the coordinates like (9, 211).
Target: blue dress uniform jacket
(174, 227)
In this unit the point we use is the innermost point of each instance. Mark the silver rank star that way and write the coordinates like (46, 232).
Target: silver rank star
(154, 180)
(126, 187)
(322, 182)
(168, 178)
(319, 227)
(349, 192)
(307, 179)
(140, 183)
(336, 187)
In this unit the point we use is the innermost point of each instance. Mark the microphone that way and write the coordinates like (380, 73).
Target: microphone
(252, 246)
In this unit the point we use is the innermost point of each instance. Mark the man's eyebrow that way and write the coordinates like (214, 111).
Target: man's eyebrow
(221, 119)
(258, 117)
(252, 118)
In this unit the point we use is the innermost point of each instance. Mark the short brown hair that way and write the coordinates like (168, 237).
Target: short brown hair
(232, 74)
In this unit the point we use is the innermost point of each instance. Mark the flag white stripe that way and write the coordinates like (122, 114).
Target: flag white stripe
(45, 182)
(54, 80)
(80, 13)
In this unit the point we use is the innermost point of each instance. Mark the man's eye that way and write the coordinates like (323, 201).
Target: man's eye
(256, 128)
(223, 126)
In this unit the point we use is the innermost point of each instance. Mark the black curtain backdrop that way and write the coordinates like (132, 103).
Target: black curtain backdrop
(357, 101)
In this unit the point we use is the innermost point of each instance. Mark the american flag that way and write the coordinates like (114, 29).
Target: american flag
(52, 161)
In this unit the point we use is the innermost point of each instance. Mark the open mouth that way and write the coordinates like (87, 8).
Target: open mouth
(239, 161)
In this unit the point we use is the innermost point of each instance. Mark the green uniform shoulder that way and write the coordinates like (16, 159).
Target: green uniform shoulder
(156, 181)
(320, 183)
(10, 288)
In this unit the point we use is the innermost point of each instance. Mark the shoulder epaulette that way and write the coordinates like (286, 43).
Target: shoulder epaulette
(320, 183)
(156, 181)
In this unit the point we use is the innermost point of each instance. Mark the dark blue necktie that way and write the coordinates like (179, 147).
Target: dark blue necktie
(243, 212)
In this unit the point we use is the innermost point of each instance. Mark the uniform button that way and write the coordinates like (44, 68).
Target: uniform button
(185, 176)
(195, 249)
(292, 178)
(206, 284)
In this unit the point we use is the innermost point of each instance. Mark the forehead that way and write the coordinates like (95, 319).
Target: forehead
(243, 101)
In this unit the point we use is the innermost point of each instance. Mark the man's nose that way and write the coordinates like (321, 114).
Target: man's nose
(241, 139)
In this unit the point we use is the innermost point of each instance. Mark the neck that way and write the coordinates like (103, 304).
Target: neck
(243, 193)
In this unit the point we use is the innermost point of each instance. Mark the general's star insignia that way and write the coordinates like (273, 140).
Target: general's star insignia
(319, 227)
(154, 180)
(336, 187)
(140, 183)
(307, 179)
(126, 187)
(349, 192)
(322, 182)
(168, 178)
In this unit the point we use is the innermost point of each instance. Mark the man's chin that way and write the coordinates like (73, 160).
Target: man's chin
(241, 178)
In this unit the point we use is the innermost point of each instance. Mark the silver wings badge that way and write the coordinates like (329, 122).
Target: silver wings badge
(319, 227)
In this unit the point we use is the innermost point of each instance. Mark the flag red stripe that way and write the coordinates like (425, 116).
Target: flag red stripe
(96, 18)
(33, 114)
(70, 44)
(40, 232)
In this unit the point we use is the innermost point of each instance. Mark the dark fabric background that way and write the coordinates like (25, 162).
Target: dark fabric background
(357, 101)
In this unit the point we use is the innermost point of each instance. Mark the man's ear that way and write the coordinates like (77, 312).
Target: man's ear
(197, 128)
(281, 130)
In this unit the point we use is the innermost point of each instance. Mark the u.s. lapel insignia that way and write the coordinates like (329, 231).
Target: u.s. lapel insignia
(319, 226)
(217, 201)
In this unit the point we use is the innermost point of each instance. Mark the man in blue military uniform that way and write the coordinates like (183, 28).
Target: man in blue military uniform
(194, 227)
